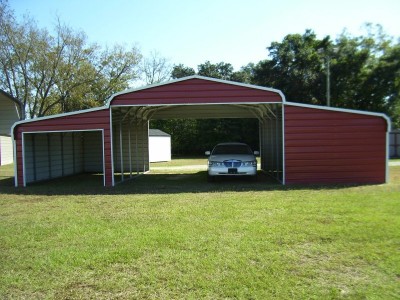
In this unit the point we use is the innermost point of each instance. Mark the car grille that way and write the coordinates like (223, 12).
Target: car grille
(232, 163)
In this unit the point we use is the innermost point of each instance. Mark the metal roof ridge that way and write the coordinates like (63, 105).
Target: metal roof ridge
(251, 86)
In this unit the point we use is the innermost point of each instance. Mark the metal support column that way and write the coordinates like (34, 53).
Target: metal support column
(121, 151)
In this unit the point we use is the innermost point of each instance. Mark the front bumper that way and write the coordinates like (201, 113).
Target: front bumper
(224, 171)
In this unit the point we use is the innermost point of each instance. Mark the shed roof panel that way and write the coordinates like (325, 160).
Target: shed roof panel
(196, 90)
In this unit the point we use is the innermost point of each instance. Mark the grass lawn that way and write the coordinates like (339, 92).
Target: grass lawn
(178, 162)
(175, 236)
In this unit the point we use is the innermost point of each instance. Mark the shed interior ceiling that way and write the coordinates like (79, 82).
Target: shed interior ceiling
(206, 111)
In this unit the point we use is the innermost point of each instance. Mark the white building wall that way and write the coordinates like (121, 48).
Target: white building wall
(6, 150)
(8, 115)
(159, 148)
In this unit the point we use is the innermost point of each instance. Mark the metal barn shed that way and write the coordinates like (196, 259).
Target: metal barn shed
(299, 144)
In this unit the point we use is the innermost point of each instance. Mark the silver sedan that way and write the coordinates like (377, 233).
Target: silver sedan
(232, 159)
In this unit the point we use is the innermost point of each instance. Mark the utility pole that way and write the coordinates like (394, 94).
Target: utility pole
(327, 55)
(328, 81)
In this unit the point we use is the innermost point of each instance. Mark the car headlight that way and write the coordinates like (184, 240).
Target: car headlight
(215, 164)
(249, 163)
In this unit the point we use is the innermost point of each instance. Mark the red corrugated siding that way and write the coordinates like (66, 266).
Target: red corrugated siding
(196, 91)
(333, 147)
(99, 119)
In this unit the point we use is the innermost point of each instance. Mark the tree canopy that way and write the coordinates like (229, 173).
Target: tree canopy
(60, 71)
(364, 71)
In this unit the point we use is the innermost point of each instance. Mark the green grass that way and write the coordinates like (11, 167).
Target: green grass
(175, 236)
(178, 162)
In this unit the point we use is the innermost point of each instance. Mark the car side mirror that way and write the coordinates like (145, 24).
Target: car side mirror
(256, 153)
(208, 153)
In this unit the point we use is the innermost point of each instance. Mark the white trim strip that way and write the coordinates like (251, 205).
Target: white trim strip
(23, 160)
(112, 149)
(387, 175)
(68, 130)
(193, 104)
(104, 162)
(283, 146)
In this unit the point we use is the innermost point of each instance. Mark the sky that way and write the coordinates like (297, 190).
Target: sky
(190, 32)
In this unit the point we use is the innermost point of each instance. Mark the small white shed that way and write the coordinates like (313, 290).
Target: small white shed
(159, 146)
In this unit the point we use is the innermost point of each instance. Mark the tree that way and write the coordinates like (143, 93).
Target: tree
(364, 70)
(155, 68)
(363, 75)
(245, 74)
(295, 67)
(387, 75)
(220, 70)
(60, 72)
(179, 71)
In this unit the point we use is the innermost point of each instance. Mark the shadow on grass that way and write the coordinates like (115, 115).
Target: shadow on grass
(150, 183)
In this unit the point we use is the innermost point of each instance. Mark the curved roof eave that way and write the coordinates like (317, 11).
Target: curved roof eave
(58, 116)
(108, 102)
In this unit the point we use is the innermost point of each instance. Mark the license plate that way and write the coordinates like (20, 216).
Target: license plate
(232, 171)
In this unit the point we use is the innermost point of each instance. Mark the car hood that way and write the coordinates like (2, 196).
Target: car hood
(223, 157)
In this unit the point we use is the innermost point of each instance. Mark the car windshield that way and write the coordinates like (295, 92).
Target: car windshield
(232, 149)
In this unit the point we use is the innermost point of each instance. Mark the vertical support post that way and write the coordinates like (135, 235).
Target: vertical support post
(260, 146)
(121, 151)
(73, 153)
(34, 157)
(49, 154)
(129, 147)
(111, 141)
(143, 152)
(268, 140)
(137, 147)
(83, 151)
(277, 143)
(274, 143)
(62, 153)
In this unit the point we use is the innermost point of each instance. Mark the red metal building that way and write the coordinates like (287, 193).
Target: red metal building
(299, 143)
